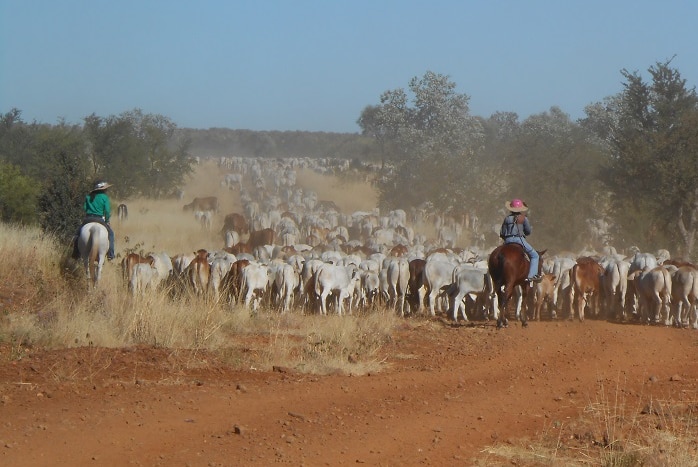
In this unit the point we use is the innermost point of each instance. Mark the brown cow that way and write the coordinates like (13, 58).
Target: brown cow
(198, 272)
(586, 283)
(236, 222)
(261, 237)
(209, 203)
(415, 293)
(231, 285)
(398, 250)
(238, 248)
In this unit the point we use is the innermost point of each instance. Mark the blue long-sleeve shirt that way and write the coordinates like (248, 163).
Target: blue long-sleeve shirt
(515, 225)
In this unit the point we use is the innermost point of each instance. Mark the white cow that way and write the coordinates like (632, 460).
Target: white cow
(205, 218)
(306, 288)
(397, 275)
(370, 288)
(163, 263)
(684, 296)
(255, 281)
(653, 289)
(339, 281)
(143, 277)
(286, 280)
(181, 262)
(220, 266)
(563, 293)
(614, 285)
(232, 238)
(642, 261)
(467, 281)
(437, 274)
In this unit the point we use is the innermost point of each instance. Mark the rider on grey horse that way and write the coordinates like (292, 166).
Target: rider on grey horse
(97, 209)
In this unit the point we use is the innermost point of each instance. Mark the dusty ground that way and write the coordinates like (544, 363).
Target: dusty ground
(446, 394)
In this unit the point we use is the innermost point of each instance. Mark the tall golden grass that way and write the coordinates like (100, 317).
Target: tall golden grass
(53, 308)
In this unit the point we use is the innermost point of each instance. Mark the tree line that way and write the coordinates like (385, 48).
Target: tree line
(627, 170)
(625, 174)
(46, 170)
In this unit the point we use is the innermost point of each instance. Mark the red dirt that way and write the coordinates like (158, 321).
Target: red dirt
(447, 393)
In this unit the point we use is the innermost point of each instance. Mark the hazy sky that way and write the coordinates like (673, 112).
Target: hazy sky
(313, 65)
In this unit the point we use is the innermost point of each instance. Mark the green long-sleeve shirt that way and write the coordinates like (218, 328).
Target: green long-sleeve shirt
(97, 204)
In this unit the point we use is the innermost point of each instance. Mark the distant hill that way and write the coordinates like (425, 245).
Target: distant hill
(218, 142)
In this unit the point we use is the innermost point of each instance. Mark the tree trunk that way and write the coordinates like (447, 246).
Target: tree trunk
(688, 233)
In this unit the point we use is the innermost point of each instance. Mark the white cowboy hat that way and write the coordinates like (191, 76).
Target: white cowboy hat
(516, 205)
(99, 186)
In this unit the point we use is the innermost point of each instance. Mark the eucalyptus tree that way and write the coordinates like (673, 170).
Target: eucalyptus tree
(551, 162)
(428, 139)
(139, 153)
(650, 130)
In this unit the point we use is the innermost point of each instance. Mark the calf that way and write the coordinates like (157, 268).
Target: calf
(129, 262)
(205, 218)
(122, 212)
(543, 295)
(467, 281)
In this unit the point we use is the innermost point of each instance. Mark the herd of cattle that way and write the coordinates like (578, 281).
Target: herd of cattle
(287, 250)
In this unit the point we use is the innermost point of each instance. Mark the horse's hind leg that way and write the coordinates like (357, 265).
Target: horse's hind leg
(502, 321)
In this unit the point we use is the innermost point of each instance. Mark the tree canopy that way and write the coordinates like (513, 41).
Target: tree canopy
(650, 130)
(45, 170)
(428, 137)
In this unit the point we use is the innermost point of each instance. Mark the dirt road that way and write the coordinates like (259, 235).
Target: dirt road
(446, 394)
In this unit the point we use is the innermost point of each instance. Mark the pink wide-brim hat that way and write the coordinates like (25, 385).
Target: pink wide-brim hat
(516, 205)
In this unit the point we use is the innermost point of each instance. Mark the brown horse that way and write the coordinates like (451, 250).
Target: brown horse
(508, 266)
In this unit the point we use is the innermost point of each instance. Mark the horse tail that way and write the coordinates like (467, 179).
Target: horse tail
(92, 252)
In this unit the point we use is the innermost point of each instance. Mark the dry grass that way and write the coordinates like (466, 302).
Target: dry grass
(52, 308)
(349, 195)
(611, 432)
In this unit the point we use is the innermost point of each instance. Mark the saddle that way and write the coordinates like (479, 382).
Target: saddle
(520, 247)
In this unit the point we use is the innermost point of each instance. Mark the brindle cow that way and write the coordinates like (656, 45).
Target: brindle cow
(209, 203)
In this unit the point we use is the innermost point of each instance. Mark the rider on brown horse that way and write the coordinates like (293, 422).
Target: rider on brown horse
(515, 228)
